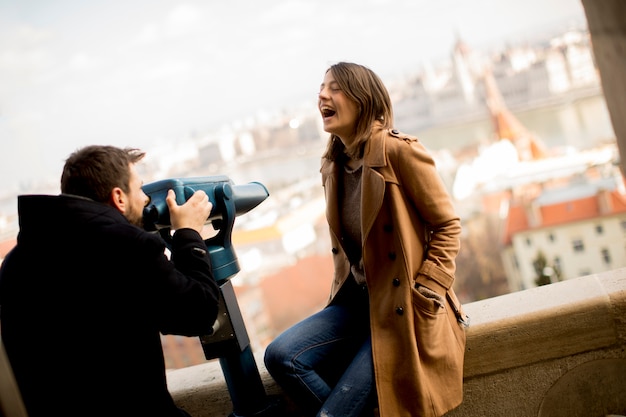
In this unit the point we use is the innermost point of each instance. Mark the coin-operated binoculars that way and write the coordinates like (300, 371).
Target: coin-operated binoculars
(229, 340)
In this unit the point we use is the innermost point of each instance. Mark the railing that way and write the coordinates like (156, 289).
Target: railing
(551, 351)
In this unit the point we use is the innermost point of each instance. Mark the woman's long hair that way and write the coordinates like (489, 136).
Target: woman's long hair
(365, 88)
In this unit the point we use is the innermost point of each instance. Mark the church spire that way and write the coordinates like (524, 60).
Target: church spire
(507, 126)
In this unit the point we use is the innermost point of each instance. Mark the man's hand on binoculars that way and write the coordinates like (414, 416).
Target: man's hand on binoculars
(193, 214)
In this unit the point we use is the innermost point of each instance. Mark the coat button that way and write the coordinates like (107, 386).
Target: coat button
(396, 282)
(392, 256)
(399, 311)
(395, 131)
(388, 228)
(335, 251)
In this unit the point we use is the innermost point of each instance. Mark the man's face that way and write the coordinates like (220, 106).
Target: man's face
(137, 199)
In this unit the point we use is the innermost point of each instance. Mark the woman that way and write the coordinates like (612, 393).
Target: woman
(391, 336)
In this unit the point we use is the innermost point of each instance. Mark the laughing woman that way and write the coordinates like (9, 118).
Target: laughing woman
(391, 339)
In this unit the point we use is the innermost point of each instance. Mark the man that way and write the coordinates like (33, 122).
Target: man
(86, 292)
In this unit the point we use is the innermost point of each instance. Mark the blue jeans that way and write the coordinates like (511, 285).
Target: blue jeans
(325, 361)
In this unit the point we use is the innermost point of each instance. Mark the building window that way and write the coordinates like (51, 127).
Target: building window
(623, 224)
(528, 242)
(606, 256)
(551, 237)
(578, 245)
(599, 229)
(557, 263)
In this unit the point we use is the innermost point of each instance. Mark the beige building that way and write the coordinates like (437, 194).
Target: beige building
(566, 232)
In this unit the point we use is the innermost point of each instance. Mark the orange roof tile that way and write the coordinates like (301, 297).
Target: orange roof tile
(561, 213)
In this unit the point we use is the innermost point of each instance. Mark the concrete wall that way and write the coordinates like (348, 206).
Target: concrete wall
(606, 20)
(551, 351)
(556, 350)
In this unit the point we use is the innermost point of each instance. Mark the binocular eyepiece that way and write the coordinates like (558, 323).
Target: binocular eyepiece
(219, 189)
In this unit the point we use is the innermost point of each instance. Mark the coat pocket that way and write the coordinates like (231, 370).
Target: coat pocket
(439, 335)
(440, 342)
(428, 300)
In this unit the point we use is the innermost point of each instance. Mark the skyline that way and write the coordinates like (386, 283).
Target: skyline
(142, 73)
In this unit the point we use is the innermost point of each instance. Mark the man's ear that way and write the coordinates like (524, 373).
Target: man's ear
(118, 200)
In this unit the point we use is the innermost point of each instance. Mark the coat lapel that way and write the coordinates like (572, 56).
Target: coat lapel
(330, 178)
(373, 187)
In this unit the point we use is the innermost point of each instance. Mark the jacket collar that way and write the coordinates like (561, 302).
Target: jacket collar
(41, 215)
(374, 153)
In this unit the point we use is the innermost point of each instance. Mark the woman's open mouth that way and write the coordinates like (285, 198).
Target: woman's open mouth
(327, 111)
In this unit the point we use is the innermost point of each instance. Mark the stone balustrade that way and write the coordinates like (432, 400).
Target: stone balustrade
(551, 351)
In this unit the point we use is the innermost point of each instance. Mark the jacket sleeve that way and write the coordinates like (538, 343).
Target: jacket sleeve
(428, 194)
(187, 295)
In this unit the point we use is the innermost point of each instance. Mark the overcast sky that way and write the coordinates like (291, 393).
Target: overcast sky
(139, 72)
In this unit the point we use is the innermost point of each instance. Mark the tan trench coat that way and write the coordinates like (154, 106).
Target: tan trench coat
(410, 234)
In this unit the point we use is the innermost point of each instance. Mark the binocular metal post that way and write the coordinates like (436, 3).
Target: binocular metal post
(230, 343)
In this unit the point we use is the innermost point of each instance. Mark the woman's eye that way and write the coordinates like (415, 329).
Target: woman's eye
(332, 89)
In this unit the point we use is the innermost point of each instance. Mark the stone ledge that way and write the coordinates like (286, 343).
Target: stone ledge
(518, 346)
(202, 391)
(552, 321)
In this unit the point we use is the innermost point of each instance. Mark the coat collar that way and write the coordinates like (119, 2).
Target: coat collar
(374, 153)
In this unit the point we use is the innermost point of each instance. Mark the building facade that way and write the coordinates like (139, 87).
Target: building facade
(566, 232)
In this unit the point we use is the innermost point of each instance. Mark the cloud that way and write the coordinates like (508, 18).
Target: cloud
(83, 62)
(168, 70)
(182, 20)
(288, 11)
(149, 34)
(23, 48)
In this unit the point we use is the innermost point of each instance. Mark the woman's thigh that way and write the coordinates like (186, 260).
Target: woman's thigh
(332, 332)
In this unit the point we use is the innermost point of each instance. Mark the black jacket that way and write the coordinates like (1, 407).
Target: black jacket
(84, 296)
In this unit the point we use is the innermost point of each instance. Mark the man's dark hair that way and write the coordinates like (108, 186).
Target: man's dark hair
(95, 170)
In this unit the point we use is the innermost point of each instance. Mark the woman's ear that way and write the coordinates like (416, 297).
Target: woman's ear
(119, 200)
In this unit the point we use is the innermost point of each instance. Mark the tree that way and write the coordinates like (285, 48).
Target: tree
(544, 271)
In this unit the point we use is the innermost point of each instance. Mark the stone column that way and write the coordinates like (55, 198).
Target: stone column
(606, 20)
